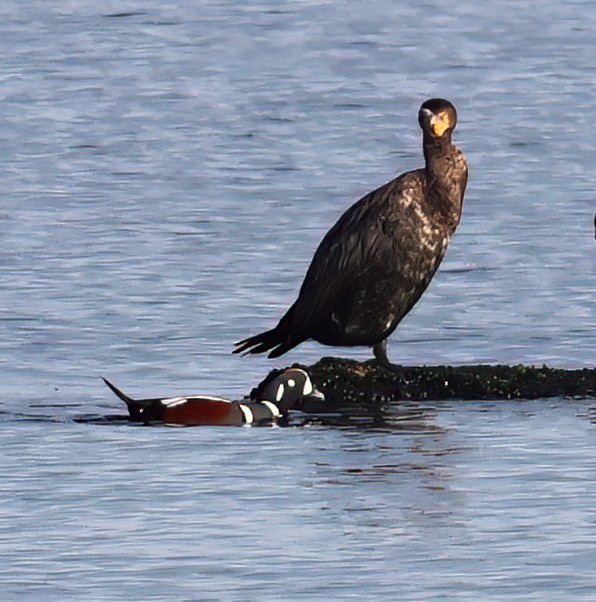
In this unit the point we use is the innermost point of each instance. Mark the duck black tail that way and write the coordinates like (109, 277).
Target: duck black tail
(135, 406)
(125, 398)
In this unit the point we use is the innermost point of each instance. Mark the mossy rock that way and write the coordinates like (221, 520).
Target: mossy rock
(348, 383)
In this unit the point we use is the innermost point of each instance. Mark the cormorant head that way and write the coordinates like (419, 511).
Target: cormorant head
(437, 118)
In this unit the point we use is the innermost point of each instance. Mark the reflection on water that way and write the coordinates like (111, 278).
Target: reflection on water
(442, 497)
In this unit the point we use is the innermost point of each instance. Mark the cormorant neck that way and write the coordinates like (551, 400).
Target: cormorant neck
(436, 153)
(435, 147)
(445, 188)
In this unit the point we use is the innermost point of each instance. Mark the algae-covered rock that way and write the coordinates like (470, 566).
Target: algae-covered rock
(348, 383)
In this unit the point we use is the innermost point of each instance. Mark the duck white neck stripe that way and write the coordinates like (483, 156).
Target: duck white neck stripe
(246, 412)
(272, 408)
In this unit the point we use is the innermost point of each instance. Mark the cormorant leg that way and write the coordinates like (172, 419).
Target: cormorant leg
(380, 351)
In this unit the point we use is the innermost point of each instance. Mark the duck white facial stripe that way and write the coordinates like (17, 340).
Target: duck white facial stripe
(272, 408)
(280, 392)
(248, 415)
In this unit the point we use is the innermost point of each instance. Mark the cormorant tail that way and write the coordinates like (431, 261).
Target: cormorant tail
(273, 339)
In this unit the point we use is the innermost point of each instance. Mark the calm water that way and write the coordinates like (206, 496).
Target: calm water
(167, 170)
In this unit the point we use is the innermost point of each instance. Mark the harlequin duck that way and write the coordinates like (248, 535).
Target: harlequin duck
(268, 403)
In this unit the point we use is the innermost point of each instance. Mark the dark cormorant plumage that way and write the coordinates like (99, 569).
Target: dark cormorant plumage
(376, 261)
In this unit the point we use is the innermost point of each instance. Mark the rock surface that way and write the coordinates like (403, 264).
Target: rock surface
(368, 385)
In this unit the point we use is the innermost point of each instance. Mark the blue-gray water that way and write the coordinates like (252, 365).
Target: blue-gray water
(167, 170)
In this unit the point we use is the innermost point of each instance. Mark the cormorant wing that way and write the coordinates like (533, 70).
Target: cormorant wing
(363, 239)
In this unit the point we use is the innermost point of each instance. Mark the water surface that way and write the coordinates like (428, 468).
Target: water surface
(167, 170)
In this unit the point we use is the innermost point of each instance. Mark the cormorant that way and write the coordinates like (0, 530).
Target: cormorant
(376, 261)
